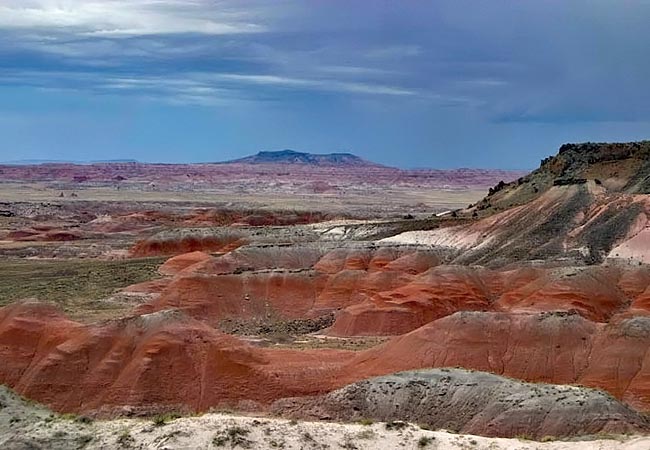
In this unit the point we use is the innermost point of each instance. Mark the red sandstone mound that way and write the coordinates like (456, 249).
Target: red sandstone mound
(412, 301)
(548, 347)
(265, 294)
(174, 265)
(26, 327)
(239, 284)
(385, 291)
(169, 361)
(189, 240)
(46, 235)
(146, 363)
(593, 292)
(437, 292)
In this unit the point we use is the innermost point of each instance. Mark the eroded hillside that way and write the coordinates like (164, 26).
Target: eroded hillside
(540, 292)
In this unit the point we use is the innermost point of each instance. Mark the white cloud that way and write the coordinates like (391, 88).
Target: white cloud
(316, 84)
(194, 87)
(126, 17)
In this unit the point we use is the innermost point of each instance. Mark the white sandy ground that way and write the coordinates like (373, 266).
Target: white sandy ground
(452, 237)
(214, 431)
(635, 249)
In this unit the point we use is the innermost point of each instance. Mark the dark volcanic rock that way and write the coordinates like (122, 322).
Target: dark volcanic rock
(619, 167)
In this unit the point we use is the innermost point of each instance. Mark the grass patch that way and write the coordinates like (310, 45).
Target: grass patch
(74, 285)
(164, 419)
(124, 439)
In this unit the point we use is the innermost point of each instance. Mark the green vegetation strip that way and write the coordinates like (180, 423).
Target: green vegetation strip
(63, 281)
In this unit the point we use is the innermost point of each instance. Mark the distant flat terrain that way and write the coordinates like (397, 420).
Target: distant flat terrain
(365, 189)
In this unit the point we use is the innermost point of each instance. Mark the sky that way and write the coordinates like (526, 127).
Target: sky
(441, 84)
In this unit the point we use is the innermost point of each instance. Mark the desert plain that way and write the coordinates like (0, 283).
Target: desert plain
(288, 300)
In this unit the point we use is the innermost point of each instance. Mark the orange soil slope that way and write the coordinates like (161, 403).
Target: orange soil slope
(169, 361)
(386, 291)
(146, 363)
(546, 347)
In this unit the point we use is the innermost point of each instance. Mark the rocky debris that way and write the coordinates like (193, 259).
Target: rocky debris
(619, 167)
(280, 328)
(569, 181)
(473, 403)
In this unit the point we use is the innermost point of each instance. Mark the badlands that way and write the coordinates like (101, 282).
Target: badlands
(289, 300)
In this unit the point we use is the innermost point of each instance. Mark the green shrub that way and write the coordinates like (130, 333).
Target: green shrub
(163, 419)
(125, 439)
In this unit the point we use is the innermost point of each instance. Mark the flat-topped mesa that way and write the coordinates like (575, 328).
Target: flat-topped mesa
(294, 157)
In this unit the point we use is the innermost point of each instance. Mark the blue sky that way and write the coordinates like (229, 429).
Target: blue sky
(407, 83)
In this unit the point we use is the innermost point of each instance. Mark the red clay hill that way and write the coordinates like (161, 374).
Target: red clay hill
(534, 312)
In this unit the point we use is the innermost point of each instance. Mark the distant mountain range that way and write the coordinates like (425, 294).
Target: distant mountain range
(29, 162)
(264, 157)
(294, 157)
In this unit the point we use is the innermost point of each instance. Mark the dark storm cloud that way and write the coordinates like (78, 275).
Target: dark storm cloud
(492, 62)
